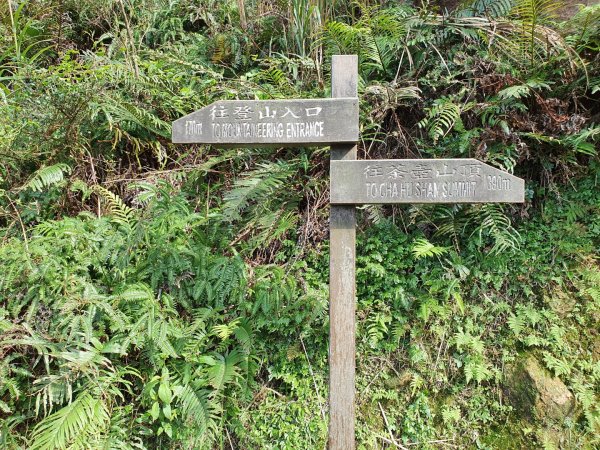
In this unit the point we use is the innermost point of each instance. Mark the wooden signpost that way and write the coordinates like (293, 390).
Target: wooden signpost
(292, 123)
(342, 280)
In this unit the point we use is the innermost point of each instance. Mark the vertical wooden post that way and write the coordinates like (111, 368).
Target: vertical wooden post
(242, 12)
(342, 303)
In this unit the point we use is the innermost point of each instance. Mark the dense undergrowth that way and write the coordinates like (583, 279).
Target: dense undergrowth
(163, 296)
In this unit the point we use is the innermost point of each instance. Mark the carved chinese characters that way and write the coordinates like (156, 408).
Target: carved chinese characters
(271, 122)
(422, 181)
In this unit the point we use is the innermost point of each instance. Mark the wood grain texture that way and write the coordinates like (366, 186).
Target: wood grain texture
(342, 302)
(264, 123)
(415, 181)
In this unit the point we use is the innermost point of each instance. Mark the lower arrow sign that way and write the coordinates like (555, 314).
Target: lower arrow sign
(422, 181)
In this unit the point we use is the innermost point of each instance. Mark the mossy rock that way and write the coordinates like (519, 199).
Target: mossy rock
(507, 437)
(535, 394)
(562, 303)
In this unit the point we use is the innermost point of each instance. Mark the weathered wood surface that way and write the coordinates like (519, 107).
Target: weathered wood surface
(248, 123)
(422, 181)
(344, 82)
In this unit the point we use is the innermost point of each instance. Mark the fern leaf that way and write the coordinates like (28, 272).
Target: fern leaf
(477, 369)
(224, 370)
(489, 8)
(416, 383)
(254, 187)
(558, 366)
(516, 323)
(197, 409)
(243, 334)
(518, 91)
(123, 113)
(47, 176)
(225, 330)
(492, 220)
(461, 340)
(422, 248)
(450, 414)
(441, 118)
(87, 416)
(122, 214)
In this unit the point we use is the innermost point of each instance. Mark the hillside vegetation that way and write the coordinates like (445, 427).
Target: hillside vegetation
(155, 295)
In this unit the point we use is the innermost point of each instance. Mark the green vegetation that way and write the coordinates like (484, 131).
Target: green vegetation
(163, 296)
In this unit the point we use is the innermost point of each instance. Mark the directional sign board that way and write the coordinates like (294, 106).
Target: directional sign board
(422, 181)
(247, 123)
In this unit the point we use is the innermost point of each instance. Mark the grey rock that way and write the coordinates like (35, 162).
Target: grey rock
(537, 395)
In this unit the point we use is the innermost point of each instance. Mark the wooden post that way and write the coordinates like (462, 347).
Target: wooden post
(342, 303)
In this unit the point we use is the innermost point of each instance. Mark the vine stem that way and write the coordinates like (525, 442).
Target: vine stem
(134, 63)
(312, 374)
(25, 240)
(14, 30)
(392, 440)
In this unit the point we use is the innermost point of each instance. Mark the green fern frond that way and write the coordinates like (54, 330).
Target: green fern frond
(122, 214)
(4, 407)
(273, 225)
(465, 341)
(422, 248)
(477, 369)
(535, 11)
(531, 15)
(592, 276)
(416, 382)
(377, 37)
(590, 286)
(488, 8)
(78, 185)
(74, 426)
(226, 330)
(492, 220)
(594, 85)
(134, 293)
(451, 414)
(197, 409)
(530, 314)
(160, 334)
(558, 366)
(441, 118)
(346, 37)
(588, 399)
(374, 212)
(516, 323)
(450, 220)
(125, 115)
(224, 369)
(47, 176)
(227, 278)
(518, 91)
(377, 328)
(584, 141)
(255, 186)
(273, 75)
(244, 335)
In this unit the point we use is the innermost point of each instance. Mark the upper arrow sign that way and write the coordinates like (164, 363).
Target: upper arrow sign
(422, 181)
(260, 123)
